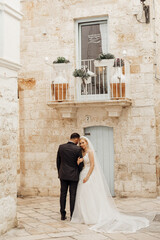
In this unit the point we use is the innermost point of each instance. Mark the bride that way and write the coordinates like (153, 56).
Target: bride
(94, 204)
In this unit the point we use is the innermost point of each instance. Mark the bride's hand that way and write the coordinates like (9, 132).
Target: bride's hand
(85, 179)
(79, 160)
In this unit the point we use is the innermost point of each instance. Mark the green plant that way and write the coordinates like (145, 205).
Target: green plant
(105, 56)
(82, 73)
(61, 60)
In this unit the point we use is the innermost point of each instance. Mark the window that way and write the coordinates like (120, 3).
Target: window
(92, 40)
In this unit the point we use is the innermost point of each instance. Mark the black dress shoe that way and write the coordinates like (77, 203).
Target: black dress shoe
(63, 217)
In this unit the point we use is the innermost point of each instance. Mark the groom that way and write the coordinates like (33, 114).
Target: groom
(68, 171)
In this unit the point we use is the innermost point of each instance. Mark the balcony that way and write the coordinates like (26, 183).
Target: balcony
(107, 86)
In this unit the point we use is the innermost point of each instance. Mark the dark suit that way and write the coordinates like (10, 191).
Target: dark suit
(68, 172)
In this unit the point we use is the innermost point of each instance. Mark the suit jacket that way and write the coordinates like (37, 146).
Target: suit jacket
(67, 166)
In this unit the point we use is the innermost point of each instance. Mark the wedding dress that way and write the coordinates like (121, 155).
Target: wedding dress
(95, 206)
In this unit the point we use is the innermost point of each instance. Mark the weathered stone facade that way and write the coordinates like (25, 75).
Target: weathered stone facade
(157, 89)
(9, 110)
(41, 127)
(9, 143)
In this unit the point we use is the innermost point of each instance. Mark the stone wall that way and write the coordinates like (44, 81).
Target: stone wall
(9, 110)
(8, 152)
(42, 129)
(157, 87)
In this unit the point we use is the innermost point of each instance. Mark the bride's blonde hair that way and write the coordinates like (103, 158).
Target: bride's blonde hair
(84, 138)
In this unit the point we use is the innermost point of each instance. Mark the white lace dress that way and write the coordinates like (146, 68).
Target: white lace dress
(93, 207)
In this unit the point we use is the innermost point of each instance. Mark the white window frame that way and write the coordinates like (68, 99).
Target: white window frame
(78, 24)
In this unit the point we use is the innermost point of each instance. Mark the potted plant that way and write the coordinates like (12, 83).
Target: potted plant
(61, 60)
(104, 60)
(119, 62)
(60, 84)
(117, 84)
(84, 75)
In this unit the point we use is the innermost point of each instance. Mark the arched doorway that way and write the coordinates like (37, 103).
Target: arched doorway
(102, 139)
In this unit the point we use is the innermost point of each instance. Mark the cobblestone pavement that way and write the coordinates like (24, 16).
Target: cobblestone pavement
(39, 218)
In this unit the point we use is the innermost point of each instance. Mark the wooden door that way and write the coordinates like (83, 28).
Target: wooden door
(102, 140)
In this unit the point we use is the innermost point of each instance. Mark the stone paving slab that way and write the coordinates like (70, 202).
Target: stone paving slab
(39, 219)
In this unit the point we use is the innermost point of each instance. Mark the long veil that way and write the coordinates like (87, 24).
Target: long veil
(110, 219)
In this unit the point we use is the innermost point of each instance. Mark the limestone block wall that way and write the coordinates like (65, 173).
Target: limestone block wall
(9, 109)
(8, 151)
(42, 129)
(157, 87)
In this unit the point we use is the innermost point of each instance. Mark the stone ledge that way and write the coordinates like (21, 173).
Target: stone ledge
(9, 64)
(4, 6)
(69, 109)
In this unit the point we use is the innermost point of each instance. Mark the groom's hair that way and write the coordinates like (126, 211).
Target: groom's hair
(74, 135)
